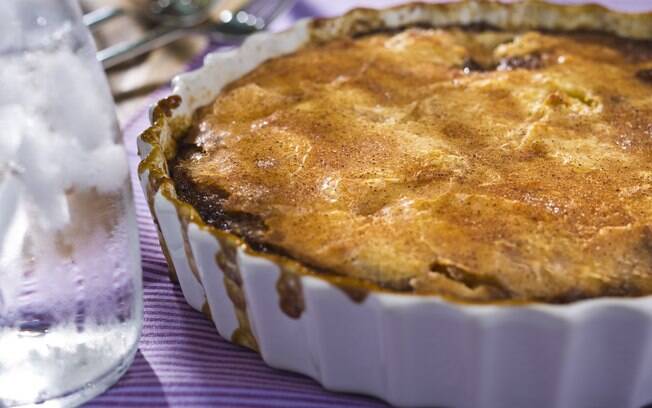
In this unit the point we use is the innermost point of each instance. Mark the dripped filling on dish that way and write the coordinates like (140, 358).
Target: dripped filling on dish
(480, 165)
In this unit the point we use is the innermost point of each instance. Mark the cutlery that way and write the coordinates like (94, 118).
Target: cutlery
(179, 18)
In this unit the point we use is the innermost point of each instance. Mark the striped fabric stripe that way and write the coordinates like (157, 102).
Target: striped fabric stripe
(182, 361)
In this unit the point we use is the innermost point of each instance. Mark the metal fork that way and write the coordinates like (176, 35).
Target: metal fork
(231, 27)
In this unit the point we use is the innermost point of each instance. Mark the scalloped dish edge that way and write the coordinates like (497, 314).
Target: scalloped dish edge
(279, 308)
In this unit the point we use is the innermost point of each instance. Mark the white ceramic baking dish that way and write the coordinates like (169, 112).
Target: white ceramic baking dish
(408, 350)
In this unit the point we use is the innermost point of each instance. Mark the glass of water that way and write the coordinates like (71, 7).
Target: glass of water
(70, 276)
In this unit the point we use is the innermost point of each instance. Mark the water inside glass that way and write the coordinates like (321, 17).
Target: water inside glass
(70, 277)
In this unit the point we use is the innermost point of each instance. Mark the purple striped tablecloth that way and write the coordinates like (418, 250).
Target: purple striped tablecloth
(182, 361)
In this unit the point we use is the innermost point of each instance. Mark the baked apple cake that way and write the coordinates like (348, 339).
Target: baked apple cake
(471, 162)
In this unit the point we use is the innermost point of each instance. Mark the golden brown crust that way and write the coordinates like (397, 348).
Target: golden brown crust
(478, 165)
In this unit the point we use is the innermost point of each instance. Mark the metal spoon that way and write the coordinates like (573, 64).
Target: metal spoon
(178, 18)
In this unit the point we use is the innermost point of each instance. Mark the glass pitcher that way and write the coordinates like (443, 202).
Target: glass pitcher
(70, 274)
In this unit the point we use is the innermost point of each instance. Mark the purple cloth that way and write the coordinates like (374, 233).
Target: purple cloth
(182, 361)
